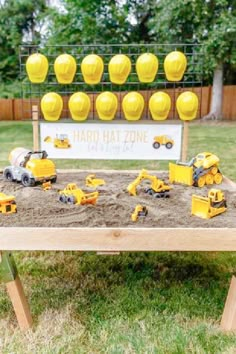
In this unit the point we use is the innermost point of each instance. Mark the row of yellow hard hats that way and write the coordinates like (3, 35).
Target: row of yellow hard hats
(119, 68)
(132, 105)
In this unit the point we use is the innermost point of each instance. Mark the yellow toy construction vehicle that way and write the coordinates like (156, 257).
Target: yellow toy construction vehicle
(158, 188)
(163, 140)
(207, 207)
(29, 167)
(7, 204)
(74, 195)
(139, 211)
(61, 141)
(202, 169)
(91, 181)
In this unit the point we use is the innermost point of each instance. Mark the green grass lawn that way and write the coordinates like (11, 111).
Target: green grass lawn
(132, 303)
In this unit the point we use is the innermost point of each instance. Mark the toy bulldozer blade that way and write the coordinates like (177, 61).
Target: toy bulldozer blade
(207, 207)
(180, 174)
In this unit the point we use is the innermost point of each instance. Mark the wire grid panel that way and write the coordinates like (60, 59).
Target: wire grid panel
(191, 81)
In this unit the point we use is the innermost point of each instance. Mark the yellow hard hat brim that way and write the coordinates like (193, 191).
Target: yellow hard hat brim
(117, 81)
(129, 117)
(174, 78)
(187, 117)
(159, 117)
(104, 117)
(51, 118)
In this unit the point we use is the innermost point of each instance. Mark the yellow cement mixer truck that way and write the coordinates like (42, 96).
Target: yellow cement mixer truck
(29, 167)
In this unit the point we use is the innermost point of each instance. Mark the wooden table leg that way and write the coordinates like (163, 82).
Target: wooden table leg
(228, 321)
(8, 273)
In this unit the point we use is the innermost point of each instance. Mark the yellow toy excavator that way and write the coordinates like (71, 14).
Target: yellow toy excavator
(202, 169)
(139, 211)
(158, 188)
(207, 207)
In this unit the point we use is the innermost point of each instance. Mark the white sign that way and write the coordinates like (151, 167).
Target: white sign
(113, 141)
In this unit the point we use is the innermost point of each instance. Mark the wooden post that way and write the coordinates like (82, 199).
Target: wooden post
(15, 290)
(228, 321)
(35, 118)
(185, 141)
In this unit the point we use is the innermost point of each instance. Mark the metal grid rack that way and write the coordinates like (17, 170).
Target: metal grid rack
(33, 93)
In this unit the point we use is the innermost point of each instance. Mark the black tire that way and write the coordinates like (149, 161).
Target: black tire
(169, 145)
(54, 179)
(156, 145)
(27, 181)
(63, 198)
(8, 175)
(71, 200)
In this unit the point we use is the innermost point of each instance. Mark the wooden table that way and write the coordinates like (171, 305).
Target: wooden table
(114, 241)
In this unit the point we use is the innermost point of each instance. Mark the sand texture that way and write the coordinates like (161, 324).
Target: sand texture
(38, 208)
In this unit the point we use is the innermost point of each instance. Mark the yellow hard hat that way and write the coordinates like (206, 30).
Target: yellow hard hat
(79, 106)
(146, 67)
(65, 68)
(37, 68)
(187, 105)
(106, 105)
(159, 105)
(51, 106)
(119, 68)
(133, 105)
(175, 64)
(92, 69)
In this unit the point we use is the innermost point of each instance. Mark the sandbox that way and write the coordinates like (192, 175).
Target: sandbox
(38, 208)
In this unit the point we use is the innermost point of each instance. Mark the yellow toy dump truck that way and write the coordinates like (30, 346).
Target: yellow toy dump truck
(74, 195)
(202, 169)
(158, 188)
(61, 141)
(92, 181)
(207, 207)
(139, 211)
(7, 204)
(163, 140)
(29, 167)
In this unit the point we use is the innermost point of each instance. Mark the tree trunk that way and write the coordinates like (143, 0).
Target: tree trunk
(217, 94)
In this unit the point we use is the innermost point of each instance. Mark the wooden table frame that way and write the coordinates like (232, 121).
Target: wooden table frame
(114, 241)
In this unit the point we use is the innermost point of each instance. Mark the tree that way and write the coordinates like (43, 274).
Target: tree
(19, 21)
(211, 23)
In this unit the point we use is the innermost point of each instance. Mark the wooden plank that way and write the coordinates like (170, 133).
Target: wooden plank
(185, 141)
(118, 239)
(228, 321)
(20, 304)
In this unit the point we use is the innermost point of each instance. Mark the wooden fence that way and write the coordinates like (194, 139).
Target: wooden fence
(18, 109)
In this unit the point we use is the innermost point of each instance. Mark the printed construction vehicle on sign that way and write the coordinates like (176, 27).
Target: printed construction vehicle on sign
(158, 188)
(61, 141)
(7, 204)
(163, 140)
(74, 195)
(207, 207)
(202, 169)
(29, 167)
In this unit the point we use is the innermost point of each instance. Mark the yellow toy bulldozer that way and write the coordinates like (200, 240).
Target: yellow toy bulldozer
(158, 188)
(74, 195)
(91, 181)
(139, 211)
(163, 140)
(202, 169)
(207, 207)
(7, 204)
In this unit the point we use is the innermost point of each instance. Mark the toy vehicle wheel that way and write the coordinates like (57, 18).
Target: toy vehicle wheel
(169, 145)
(218, 178)
(63, 198)
(8, 175)
(201, 181)
(54, 179)
(71, 200)
(27, 181)
(156, 145)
